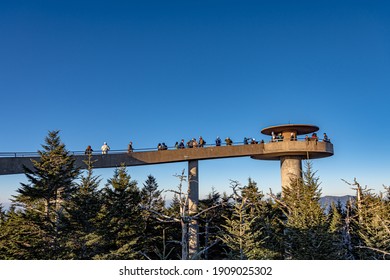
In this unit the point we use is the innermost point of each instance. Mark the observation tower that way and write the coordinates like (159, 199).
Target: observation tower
(290, 149)
(286, 146)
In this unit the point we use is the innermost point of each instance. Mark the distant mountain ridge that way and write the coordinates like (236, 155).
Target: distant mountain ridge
(327, 200)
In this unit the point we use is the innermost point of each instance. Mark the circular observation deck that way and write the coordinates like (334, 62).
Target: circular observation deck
(291, 146)
(297, 129)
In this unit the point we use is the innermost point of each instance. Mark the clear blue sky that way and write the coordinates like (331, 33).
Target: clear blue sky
(159, 71)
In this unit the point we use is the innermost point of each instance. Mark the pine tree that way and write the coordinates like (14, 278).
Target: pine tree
(51, 182)
(82, 221)
(120, 226)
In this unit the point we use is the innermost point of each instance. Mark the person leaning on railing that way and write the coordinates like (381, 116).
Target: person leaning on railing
(326, 138)
(105, 148)
(88, 150)
(228, 141)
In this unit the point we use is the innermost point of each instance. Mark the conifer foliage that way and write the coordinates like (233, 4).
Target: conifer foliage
(120, 217)
(370, 224)
(152, 231)
(82, 217)
(42, 200)
(243, 232)
(305, 224)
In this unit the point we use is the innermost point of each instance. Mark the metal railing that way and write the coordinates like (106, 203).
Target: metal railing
(98, 152)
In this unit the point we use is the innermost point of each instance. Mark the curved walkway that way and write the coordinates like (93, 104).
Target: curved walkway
(12, 163)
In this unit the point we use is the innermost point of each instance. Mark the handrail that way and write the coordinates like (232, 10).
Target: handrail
(36, 154)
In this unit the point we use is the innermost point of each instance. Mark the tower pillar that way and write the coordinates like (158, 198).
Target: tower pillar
(290, 169)
(193, 202)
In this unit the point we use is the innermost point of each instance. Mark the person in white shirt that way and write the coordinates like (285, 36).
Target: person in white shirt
(105, 148)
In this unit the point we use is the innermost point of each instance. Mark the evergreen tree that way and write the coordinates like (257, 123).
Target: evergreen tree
(243, 232)
(253, 195)
(211, 218)
(338, 232)
(305, 224)
(2, 215)
(83, 209)
(173, 228)
(20, 237)
(371, 224)
(151, 202)
(265, 225)
(51, 182)
(120, 226)
(243, 242)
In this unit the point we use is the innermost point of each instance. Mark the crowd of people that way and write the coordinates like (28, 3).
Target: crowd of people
(314, 137)
(200, 143)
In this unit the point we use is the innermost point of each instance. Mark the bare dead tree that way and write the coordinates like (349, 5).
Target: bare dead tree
(185, 217)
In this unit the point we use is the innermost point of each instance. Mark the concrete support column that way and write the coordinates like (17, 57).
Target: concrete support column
(290, 168)
(193, 201)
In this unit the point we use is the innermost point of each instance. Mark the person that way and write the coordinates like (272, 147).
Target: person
(130, 147)
(105, 148)
(245, 141)
(218, 142)
(314, 137)
(201, 142)
(253, 141)
(177, 145)
(194, 143)
(181, 145)
(228, 141)
(273, 136)
(164, 146)
(88, 150)
(292, 137)
(159, 147)
(307, 138)
(326, 138)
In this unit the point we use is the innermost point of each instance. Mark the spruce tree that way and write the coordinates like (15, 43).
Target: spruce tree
(370, 224)
(243, 231)
(2, 215)
(339, 233)
(265, 225)
(120, 218)
(51, 182)
(212, 211)
(151, 202)
(82, 220)
(172, 228)
(20, 237)
(305, 224)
